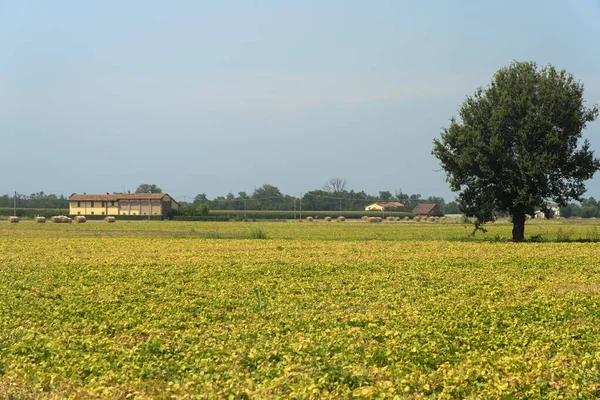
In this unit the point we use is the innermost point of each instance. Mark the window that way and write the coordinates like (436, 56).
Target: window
(112, 203)
(92, 204)
(102, 204)
(78, 212)
(78, 204)
(92, 213)
(102, 212)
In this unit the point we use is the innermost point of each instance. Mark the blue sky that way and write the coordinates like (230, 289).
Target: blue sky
(214, 97)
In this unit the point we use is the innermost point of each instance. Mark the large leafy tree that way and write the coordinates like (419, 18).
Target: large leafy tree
(148, 188)
(516, 145)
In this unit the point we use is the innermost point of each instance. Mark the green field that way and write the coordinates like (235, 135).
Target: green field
(300, 310)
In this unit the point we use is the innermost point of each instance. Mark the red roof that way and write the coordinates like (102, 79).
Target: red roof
(424, 209)
(120, 196)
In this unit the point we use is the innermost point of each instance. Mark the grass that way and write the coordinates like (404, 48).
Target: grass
(156, 310)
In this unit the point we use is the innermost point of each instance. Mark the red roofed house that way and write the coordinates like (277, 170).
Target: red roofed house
(426, 209)
(122, 204)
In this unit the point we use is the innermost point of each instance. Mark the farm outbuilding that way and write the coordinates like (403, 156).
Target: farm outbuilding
(123, 204)
(426, 209)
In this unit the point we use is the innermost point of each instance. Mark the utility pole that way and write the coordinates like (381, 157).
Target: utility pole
(244, 208)
(294, 208)
(300, 205)
(15, 205)
(149, 204)
(340, 207)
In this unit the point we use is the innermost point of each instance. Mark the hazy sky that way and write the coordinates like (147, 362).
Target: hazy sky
(219, 96)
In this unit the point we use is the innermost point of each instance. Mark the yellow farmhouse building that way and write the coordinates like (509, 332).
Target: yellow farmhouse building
(123, 204)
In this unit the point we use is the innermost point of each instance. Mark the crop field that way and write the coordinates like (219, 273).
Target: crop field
(298, 310)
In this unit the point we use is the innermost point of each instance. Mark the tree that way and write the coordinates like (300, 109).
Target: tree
(385, 195)
(516, 145)
(148, 188)
(200, 198)
(268, 197)
(203, 209)
(335, 185)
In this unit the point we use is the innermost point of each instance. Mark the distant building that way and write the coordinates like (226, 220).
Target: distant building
(426, 209)
(384, 205)
(123, 204)
(552, 206)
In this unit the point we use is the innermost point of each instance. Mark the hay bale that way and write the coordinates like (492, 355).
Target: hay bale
(396, 219)
(80, 219)
(68, 220)
(364, 218)
(40, 220)
(375, 219)
(341, 219)
(327, 219)
(309, 219)
(406, 219)
(442, 219)
(13, 220)
(431, 219)
(60, 219)
(416, 218)
(389, 218)
(110, 220)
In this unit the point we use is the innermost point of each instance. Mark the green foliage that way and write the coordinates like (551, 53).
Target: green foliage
(203, 210)
(516, 142)
(258, 233)
(353, 311)
(148, 188)
(261, 301)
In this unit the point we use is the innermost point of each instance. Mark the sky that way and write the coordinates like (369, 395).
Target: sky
(217, 97)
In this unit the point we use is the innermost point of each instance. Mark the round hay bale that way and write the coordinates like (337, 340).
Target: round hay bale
(309, 219)
(364, 218)
(389, 218)
(13, 220)
(67, 220)
(431, 219)
(110, 220)
(40, 220)
(406, 219)
(80, 219)
(327, 219)
(57, 219)
(375, 219)
(416, 218)
(442, 219)
(436, 219)
(341, 219)
(396, 219)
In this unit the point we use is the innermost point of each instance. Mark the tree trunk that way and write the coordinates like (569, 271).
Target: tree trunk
(518, 230)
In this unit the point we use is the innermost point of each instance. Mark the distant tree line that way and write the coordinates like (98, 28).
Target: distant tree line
(588, 208)
(34, 200)
(334, 196)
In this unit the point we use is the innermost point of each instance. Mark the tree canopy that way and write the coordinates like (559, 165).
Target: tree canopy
(515, 146)
(148, 188)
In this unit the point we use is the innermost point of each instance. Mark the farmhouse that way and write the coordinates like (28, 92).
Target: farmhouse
(123, 204)
(381, 206)
(426, 209)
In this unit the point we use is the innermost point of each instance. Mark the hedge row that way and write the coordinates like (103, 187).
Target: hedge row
(201, 218)
(123, 217)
